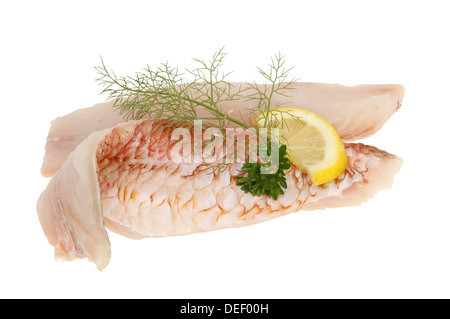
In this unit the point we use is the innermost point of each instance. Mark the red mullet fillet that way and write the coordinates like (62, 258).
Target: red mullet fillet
(123, 178)
(355, 112)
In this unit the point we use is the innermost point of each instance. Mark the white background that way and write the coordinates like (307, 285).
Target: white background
(394, 246)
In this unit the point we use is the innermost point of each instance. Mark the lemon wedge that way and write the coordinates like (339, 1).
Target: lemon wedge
(313, 145)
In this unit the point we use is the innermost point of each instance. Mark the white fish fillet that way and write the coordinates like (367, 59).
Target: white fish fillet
(123, 178)
(355, 112)
(70, 211)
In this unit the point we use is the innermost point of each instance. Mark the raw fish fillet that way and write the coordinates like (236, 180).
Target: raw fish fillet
(355, 112)
(124, 178)
(70, 211)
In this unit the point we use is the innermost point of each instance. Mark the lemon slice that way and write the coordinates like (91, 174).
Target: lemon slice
(312, 143)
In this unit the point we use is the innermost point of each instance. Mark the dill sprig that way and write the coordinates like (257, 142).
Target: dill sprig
(164, 93)
(276, 83)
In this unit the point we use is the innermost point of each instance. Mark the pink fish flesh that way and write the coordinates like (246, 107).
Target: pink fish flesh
(124, 178)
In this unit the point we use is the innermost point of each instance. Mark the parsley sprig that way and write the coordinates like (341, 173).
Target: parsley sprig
(252, 181)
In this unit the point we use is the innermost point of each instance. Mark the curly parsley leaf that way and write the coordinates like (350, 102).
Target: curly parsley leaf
(252, 181)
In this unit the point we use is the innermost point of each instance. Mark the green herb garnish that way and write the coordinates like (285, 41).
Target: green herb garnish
(165, 94)
(265, 184)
